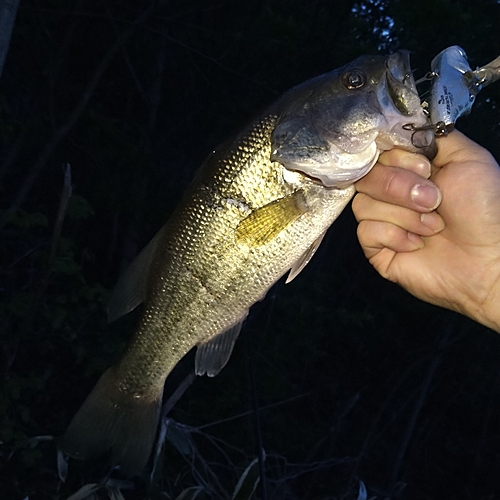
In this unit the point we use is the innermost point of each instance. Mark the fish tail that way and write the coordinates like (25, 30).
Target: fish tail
(115, 421)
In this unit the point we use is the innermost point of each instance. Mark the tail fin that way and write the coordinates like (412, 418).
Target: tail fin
(115, 421)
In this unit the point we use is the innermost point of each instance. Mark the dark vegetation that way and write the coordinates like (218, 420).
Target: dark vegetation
(353, 379)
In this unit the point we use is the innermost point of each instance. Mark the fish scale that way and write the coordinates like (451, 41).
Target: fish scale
(258, 207)
(209, 235)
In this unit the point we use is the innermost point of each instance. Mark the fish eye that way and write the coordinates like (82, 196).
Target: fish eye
(353, 79)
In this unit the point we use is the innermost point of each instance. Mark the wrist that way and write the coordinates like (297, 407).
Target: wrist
(487, 312)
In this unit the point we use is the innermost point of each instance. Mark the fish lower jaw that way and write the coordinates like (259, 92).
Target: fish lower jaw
(344, 169)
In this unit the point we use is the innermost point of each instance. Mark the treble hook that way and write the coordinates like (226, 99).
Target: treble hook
(440, 129)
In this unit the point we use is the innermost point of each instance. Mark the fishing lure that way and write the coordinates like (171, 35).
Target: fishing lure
(455, 86)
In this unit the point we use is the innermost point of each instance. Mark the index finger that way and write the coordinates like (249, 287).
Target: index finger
(400, 158)
(398, 186)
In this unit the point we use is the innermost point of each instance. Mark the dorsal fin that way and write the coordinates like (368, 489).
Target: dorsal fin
(304, 259)
(213, 355)
(130, 290)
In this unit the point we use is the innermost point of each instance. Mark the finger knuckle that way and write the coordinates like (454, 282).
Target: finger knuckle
(391, 184)
(358, 205)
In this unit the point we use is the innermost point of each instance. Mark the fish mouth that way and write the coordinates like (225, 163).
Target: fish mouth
(413, 123)
(401, 84)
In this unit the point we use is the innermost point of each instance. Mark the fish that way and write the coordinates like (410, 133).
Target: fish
(257, 209)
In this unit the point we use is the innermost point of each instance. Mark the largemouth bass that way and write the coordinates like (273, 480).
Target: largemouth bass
(257, 209)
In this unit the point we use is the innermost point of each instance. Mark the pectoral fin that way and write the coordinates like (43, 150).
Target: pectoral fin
(265, 223)
(304, 259)
(213, 355)
(130, 290)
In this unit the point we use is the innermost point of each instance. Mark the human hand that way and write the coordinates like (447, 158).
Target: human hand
(438, 237)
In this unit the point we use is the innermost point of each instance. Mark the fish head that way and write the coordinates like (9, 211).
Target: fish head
(333, 128)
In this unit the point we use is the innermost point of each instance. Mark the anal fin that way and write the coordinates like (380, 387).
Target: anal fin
(304, 259)
(213, 355)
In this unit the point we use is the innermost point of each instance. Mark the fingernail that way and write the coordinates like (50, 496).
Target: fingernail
(433, 221)
(426, 196)
(416, 240)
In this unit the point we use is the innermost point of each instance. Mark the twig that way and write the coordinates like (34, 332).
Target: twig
(43, 283)
(448, 331)
(245, 413)
(61, 213)
(181, 389)
(258, 432)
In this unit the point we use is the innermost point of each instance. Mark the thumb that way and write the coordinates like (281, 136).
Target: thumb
(456, 147)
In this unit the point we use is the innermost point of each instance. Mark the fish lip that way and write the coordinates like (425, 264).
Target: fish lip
(400, 89)
(401, 84)
(404, 67)
(430, 151)
(399, 66)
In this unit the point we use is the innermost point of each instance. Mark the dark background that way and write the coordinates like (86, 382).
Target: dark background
(354, 379)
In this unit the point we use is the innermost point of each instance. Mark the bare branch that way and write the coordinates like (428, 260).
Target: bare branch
(61, 213)
(181, 389)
